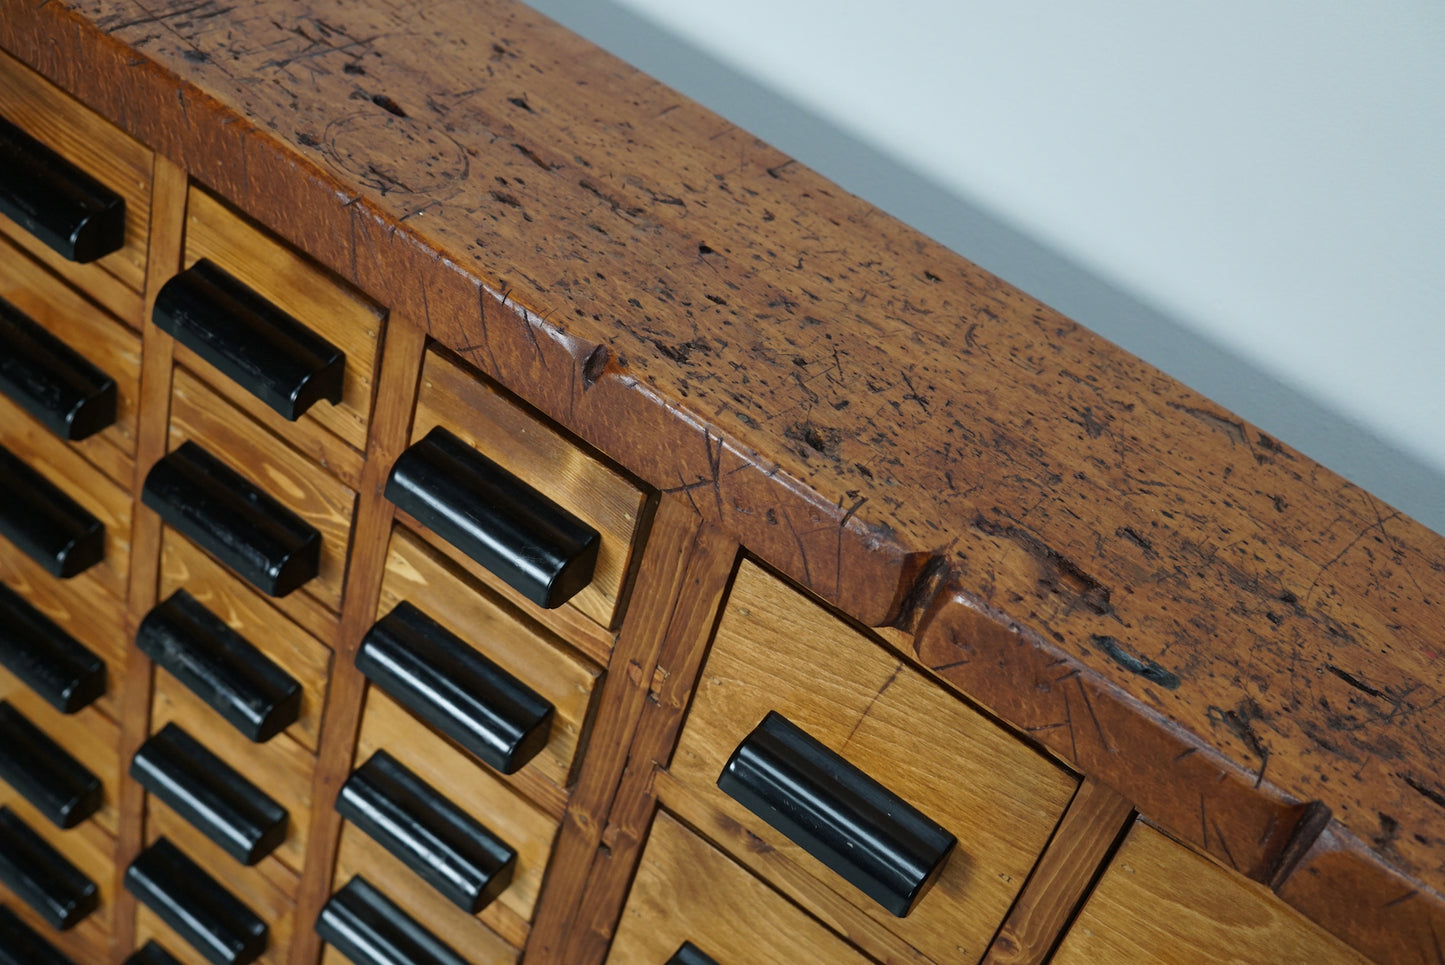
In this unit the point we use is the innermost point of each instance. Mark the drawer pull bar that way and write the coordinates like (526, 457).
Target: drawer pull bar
(876, 840)
(447, 847)
(21, 945)
(258, 346)
(152, 954)
(454, 688)
(46, 658)
(238, 816)
(47, 525)
(56, 784)
(220, 666)
(261, 540)
(690, 954)
(211, 919)
(41, 876)
(533, 545)
(66, 209)
(52, 381)
(369, 929)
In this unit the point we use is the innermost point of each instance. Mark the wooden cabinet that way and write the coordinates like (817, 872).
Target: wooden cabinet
(568, 531)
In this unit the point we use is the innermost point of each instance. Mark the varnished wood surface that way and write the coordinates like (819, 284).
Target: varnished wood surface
(1161, 903)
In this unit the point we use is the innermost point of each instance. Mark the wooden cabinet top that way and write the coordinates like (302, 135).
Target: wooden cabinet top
(1165, 597)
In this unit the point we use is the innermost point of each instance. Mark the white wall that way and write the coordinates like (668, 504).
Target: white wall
(1250, 195)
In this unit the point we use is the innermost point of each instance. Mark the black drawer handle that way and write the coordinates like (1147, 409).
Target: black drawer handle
(22, 945)
(369, 929)
(59, 786)
(152, 954)
(535, 546)
(876, 840)
(41, 876)
(453, 687)
(211, 919)
(47, 525)
(47, 659)
(690, 954)
(220, 666)
(265, 543)
(258, 346)
(443, 844)
(66, 209)
(234, 813)
(52, 381)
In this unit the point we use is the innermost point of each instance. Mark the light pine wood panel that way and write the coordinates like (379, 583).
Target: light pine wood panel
(100, 149)
(87, 735)
(470, 786)
(686, 890)
(417, 573)
(255, 887)
(199, 414)
(535, 452)
(80, 608)
(315, 298)
(1159, 902)
(493, 936)
(77, 478)
(774, 650)
(94, 334)
(280, 767)
(184, 566)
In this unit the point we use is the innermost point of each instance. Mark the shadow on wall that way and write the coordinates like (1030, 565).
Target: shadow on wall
(1307, 424)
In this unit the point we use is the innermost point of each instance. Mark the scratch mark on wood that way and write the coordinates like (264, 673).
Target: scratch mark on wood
(1134, 663)
(897, 669)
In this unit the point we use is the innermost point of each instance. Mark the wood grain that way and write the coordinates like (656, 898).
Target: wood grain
(1096, 818)
(319, 301)
(105, 153)
(540, 456)
(507, 637)
(241, 608)
(775, 650)
(200, 415)
(689, 891)
(95, 335)
(1160, 902)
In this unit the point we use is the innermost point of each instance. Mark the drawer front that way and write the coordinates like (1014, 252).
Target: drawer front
(688, 891)
(101, 151)
(777, 653)
(96, 336)
(1160, 902)
(87, 735)
(477, 791)
(416, 573)
(293, 650)
(322, 304)
(540, 458)
(87, 850)
(280, 767)
(200, 415)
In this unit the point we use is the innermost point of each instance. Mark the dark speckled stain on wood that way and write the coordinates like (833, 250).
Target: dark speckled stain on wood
(1065, 485)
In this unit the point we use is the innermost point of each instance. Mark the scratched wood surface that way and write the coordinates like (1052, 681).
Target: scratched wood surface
(867, 412)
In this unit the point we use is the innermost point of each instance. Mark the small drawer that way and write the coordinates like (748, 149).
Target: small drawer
(61, 511)
(284, 300)
(363, 923)
(63, 880)
(52, 633)
(1160, 901)
(541, 462)
(417, 574)
(96, 338)
(688, 892)
(486, 798)
(88, 736)
(280, 767)
(790, 690)
(111, 166)
(199, 415)
(276, 639)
